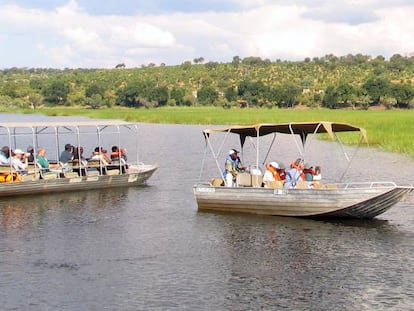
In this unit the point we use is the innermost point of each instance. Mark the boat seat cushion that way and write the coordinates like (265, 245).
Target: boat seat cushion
(217, 182)
(243, 180)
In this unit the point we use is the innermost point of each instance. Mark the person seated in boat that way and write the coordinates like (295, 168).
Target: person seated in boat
(4, 155)
(118, 154)
(317, 176)
(273, 173)
(67, 154)
(294, 174)
(232, 166)
(309, 173)
(43, 162)
(79, 162)
(18, 161)
(313, 176)
(30, 156)
(100, 153)
(119, 159)
(78, 156)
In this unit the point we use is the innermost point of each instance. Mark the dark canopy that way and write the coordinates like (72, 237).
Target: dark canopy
(299, 128)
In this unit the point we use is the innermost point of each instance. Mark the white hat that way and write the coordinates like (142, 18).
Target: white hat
(274, 164)
(232, 151)
(18, 151)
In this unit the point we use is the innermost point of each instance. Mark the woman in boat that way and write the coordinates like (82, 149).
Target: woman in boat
(100, 154)
(118, 154)
(19, 161)
(272, 174)
(294, 174)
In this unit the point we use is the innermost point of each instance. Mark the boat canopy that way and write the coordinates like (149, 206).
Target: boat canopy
(299, 128)
(39, 124)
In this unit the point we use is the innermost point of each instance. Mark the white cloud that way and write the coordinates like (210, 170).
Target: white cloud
(68, 36)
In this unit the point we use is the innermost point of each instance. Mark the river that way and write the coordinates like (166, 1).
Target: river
(148, 248)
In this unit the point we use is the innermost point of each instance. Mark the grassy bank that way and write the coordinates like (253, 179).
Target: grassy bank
(390, 130)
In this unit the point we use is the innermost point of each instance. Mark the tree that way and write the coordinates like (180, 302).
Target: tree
(56, 93)
(159, 95)
(236, 61)
(177, 93)
(376, 87)
(198, 60)
(331, 98)
(346, 93)
(403, 94)
(230, 94)
(290, 93)
(93, 89)
(207, 95)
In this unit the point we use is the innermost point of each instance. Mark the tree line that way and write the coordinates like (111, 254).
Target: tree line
(350, 81)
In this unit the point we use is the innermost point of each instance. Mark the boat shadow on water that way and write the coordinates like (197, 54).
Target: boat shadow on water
(20, 212)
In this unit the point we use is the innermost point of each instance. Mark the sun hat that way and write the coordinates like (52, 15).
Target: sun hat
(18, 151)
(274, 164)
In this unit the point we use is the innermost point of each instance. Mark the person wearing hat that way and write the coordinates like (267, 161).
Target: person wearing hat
(232, 166)
(18, 161)
(273, 173)
(67, 154)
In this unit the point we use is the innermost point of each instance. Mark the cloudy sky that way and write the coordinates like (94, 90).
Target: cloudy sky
(104, 33)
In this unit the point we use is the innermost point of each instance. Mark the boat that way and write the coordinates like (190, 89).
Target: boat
(78, 174)
(334, 199)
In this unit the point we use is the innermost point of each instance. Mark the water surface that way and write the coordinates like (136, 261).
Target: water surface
(149, 249)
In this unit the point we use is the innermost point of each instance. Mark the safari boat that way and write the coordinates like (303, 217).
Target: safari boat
(337, 199)
(78, 174)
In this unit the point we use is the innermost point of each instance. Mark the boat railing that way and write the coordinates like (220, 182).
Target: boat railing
(374, 184)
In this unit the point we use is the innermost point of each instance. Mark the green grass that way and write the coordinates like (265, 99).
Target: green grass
(390, 130)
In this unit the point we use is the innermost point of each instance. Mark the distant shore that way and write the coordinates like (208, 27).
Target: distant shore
(388, 130)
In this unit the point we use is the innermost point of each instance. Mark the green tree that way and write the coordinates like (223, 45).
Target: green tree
(207, 95)
(178, 93)
(376, 87)
(331, 97)
(290, 93)
(56, 93)
(403, 94)
(159, 95)
(93, 89)
(230, 94)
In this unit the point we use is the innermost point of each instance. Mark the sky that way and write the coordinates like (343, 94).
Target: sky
(104, 33)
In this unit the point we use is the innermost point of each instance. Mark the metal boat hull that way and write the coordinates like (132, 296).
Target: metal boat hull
(40, 186)
(361, 202)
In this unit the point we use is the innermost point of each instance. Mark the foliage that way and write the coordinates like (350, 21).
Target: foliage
(354, 81)
(56, 93)
(390, 130)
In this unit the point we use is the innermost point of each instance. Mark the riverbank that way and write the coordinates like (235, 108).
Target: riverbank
(389, 130)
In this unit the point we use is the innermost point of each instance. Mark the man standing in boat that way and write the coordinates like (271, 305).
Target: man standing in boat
(232, 166)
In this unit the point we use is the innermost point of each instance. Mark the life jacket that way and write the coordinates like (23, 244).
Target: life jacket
(10, 177)
(233, 165)
(274, 171)
(115, 155)
(302, 175)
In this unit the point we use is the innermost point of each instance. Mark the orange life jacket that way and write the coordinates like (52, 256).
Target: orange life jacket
(302, 175)
(274, 172)
(10, 177)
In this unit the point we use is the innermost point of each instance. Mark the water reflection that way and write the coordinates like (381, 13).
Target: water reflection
(149, 249)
